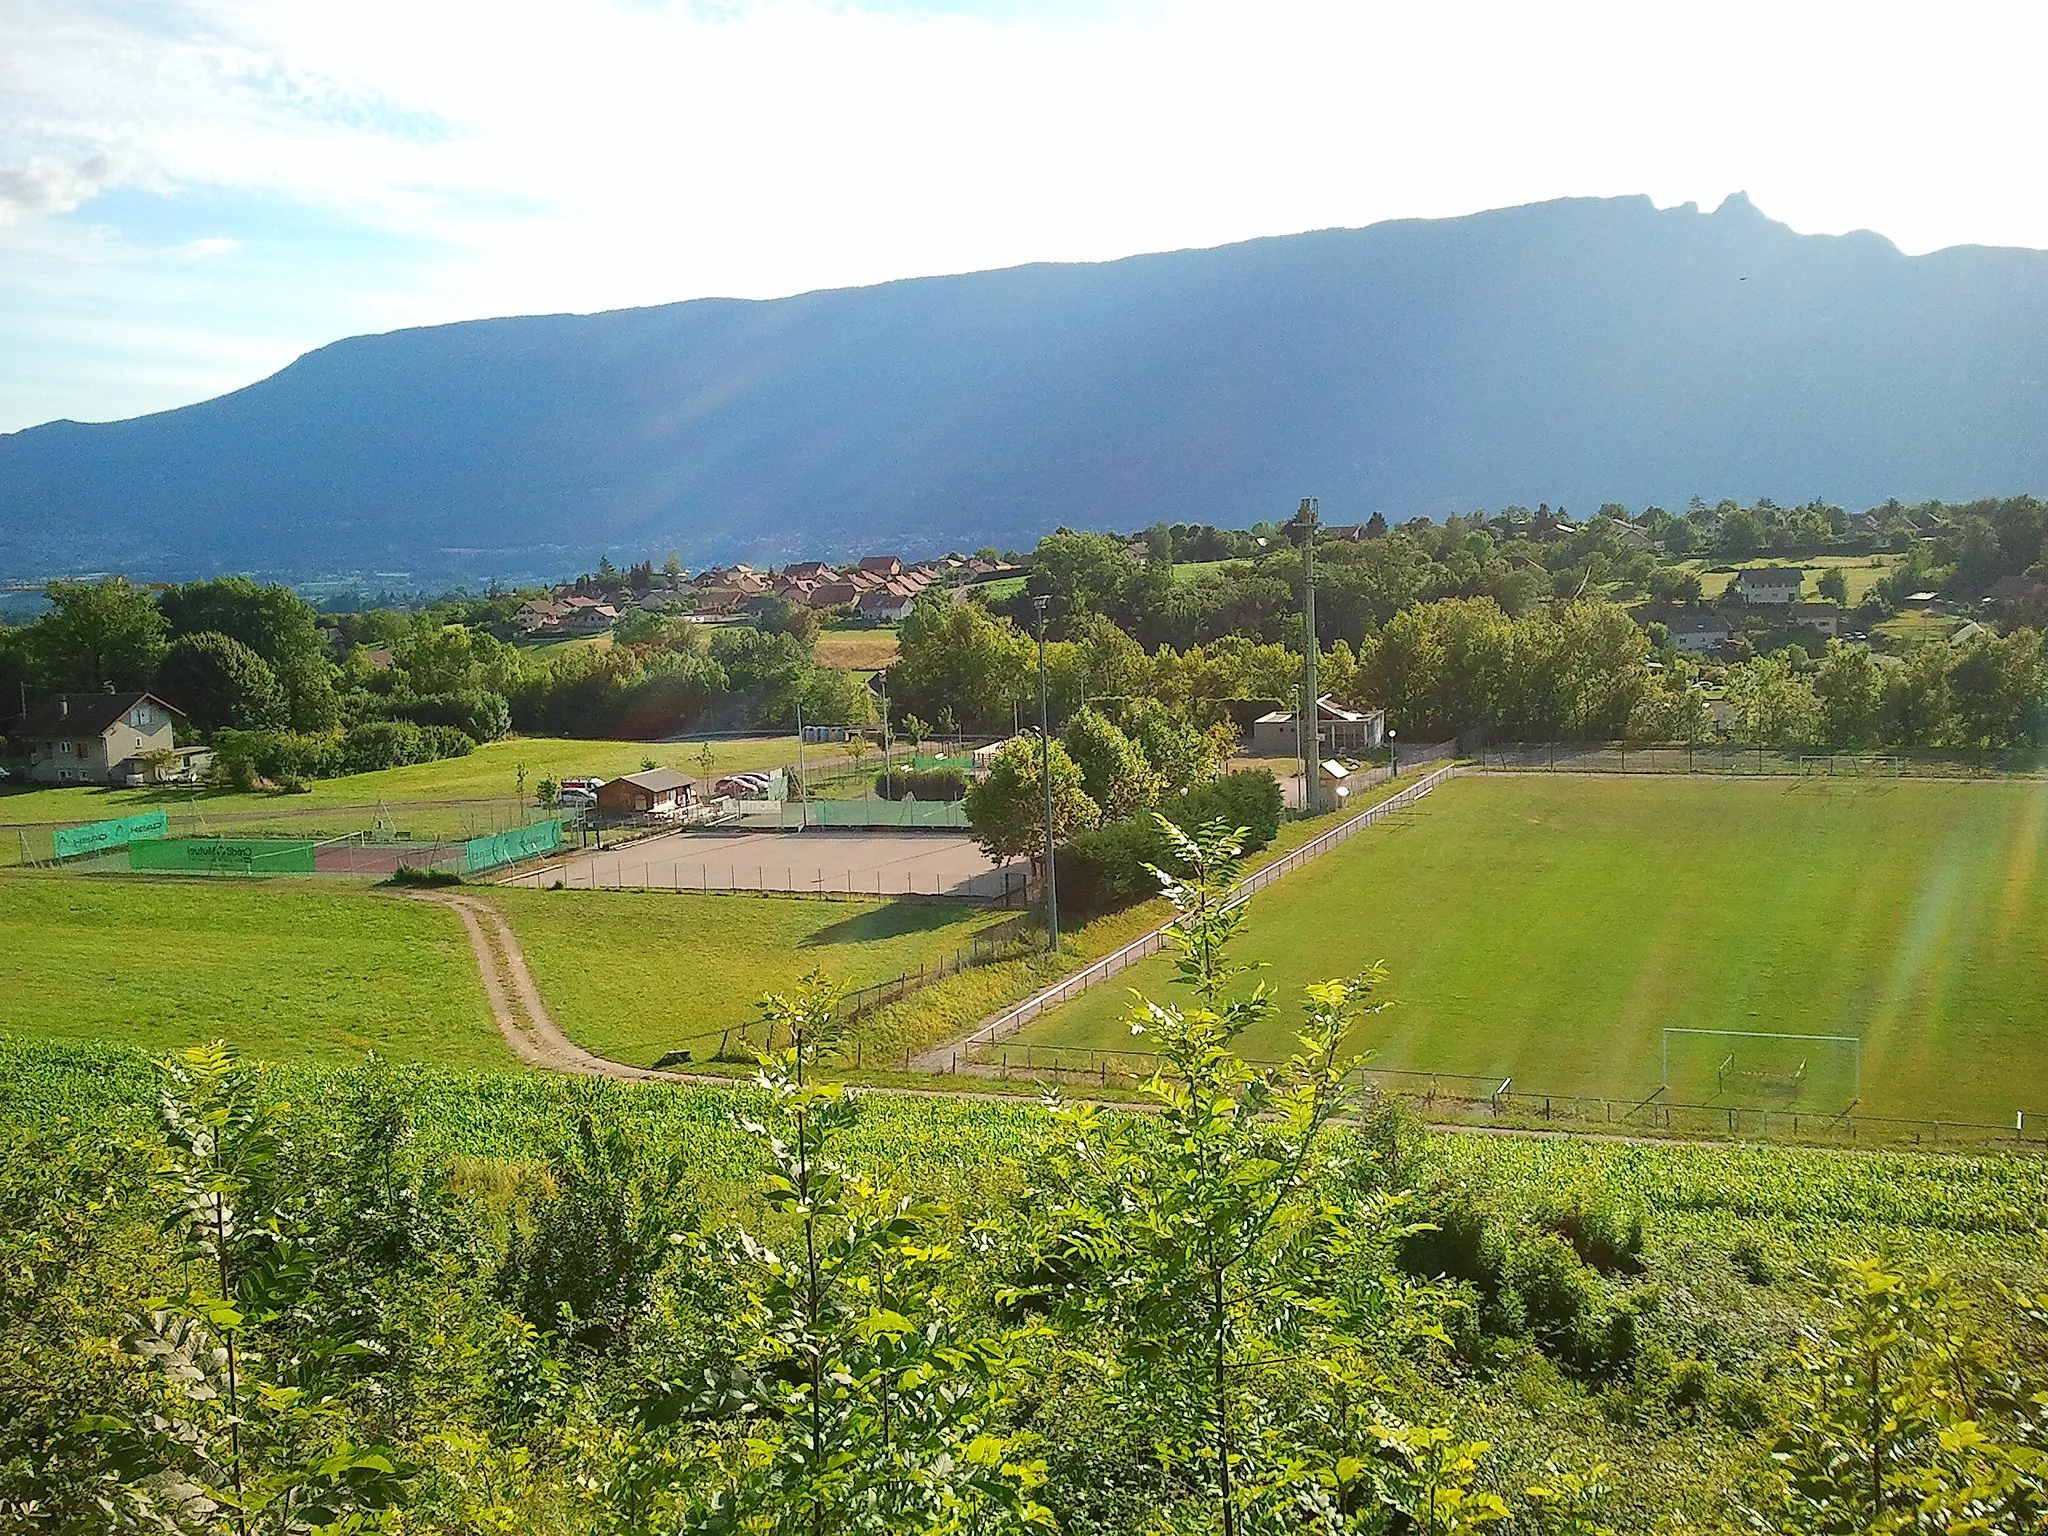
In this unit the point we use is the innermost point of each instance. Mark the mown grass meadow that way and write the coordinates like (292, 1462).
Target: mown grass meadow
(1550, 929)
(291, 970)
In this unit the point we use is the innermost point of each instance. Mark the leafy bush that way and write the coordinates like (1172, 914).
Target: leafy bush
(243, 757)
(584, 1262)
(1106, 868)
(1602, 1232)
(478, 713)
(1249, 798)
(922, 784)
(378, 744)
(412, 875)
(1531, 1281)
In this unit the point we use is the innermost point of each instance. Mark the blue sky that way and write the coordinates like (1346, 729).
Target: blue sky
(193, 192)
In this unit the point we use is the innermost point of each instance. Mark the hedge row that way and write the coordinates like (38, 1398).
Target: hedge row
(1107, 867)
(242, 757)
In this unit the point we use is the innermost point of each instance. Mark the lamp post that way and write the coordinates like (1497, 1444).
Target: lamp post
(1052, 894)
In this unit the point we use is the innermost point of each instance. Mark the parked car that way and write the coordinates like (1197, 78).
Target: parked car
(591, 785)
(742, 786)
(576, 799)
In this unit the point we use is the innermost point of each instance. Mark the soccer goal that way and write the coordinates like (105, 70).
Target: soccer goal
(1763, 1070)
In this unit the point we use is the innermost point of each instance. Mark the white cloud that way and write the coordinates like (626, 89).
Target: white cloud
(580, 154)
(47, 184)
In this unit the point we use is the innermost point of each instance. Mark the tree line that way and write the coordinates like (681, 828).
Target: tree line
(253, 673)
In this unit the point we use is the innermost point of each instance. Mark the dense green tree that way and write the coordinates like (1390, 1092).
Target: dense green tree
(779, 616)
(1851, 693)
(1006, 808)
(1770, 705)
(1917, 709)
(1114, 771)
(274, 622)
(1671, 709)
(219, 682)
(1998, 687)
(98, 635)
(434, 657)
(961, 657)
(1182, 754)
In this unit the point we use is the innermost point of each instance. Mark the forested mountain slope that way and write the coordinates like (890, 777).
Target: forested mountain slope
(1575, 352)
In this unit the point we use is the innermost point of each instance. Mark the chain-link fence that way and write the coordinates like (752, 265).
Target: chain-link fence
(1768, 762)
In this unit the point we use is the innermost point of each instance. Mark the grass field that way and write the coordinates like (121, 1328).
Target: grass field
(1859, 572)
(1550, 929)
(489, 773)
(858, 650)
(286, 970)
(631, 974)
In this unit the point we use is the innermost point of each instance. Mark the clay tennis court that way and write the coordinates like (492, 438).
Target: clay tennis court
(852, 863)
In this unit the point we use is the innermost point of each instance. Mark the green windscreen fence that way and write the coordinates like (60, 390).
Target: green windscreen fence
(222, 856)
(868, 813)
(99, 836)
(482, 853)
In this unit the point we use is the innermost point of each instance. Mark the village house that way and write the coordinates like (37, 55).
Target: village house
(718, 600)
(1770, 584)
(883, 566)
(1698, 634)
(833, 594)
(1824, 617)
(98, 738)
(888, 605)
(588, 619)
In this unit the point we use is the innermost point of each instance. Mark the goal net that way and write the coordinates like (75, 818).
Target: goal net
(1759, 1070)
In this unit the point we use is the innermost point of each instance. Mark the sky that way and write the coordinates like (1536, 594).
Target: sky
(194, 192)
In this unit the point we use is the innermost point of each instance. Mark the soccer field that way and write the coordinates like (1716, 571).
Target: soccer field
(1551, 929)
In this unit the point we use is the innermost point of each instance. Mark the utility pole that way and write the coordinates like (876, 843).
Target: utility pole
(1052, 894)
(1311, 721)
(803, 791)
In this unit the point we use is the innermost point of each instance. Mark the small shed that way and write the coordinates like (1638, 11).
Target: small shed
(1338, 729)
(651, 792)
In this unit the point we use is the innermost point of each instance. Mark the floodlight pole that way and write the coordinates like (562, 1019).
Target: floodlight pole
(1311, 721)
(1052, 893)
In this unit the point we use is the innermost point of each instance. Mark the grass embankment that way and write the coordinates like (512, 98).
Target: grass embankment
(455, 797)
(287, 970)
(1550, 930)
(633, 974)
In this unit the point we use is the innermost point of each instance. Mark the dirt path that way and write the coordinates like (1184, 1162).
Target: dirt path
(516, 1006)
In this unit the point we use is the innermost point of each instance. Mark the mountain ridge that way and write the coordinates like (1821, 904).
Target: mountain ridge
(1575, 351)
